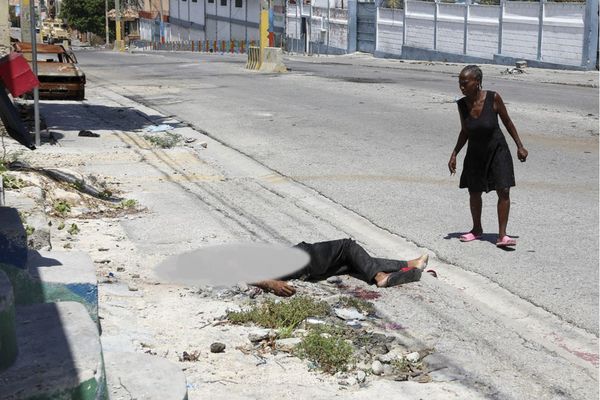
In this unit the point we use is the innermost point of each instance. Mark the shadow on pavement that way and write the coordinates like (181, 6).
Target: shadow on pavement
(75, 116)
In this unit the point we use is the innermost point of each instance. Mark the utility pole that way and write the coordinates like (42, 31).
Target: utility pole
(119, 46)
(106, 27)
(160, 16)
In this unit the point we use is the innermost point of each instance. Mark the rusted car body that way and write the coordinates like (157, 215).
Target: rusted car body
(59, 75)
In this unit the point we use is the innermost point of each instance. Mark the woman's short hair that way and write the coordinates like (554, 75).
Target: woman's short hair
(475, 70)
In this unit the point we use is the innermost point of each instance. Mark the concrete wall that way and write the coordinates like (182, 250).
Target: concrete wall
(483, 31)
(419, 19)
(520, 30)
(563, 33)
(217, 19)
(327, 28)
(546, 34)
(390, 31)
(450, 28)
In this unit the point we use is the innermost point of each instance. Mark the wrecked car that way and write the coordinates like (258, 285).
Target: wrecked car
(59, 75)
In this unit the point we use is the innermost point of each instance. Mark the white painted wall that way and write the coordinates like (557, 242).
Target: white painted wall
(563, 33)
(390, 31)
(483, 31)
(419, 24)
(562, 30)
(520, 30)
(450, 28)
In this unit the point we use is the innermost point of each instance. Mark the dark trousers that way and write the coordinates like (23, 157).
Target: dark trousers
(345, 256)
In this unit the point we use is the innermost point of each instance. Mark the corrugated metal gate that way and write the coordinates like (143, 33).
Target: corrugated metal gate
(365, 30)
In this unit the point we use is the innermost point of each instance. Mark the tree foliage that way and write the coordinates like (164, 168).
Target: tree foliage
(85, 15)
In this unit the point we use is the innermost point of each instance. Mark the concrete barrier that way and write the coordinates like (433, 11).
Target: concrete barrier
(253, 62)
(272, 60)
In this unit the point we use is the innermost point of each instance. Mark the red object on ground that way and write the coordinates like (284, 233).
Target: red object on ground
(17, 75)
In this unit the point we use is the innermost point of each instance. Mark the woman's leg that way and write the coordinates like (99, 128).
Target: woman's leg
(503, 210)
(475, 204)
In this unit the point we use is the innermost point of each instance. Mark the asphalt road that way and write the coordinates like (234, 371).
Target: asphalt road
(375, 137)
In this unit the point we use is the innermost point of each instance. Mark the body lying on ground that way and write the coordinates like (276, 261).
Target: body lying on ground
(345, 256)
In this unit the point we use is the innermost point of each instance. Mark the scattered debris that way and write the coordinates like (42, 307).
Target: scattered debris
(193, 356)
(158, 128)
(521, 64)
(217, 347)
(86, 133)
(514, 70)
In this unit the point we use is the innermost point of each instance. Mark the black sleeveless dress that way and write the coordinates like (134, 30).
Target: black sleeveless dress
(488, 164)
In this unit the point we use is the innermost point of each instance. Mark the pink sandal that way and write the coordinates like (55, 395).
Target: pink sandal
(468, 237)
(506, 241)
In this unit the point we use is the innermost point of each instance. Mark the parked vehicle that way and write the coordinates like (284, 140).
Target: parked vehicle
(54, 31)
(59, 75)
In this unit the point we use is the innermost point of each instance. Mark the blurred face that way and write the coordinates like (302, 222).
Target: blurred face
(468, 84)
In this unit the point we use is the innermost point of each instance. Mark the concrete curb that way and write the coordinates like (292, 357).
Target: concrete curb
(59, 355)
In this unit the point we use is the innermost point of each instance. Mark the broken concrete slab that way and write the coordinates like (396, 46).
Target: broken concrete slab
(65, 276)
(142, 376)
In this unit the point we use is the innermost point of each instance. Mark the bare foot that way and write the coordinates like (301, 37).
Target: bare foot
(381, 279)
(420, 262)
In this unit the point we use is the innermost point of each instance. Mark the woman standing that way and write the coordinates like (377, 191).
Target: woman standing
(488, 164)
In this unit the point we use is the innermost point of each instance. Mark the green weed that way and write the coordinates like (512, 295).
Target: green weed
(78, 185)
(29, 230)
(73, 229)
(287, 314)
(61, 226)
(165, 141)
(11, 182)
(105, 194)
(61, 207)
(360, 304)
(129, 203)
(327, 348)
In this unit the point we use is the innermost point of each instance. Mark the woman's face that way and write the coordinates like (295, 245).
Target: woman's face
(467, 83)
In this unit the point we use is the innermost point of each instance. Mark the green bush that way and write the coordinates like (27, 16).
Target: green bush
(327, 348)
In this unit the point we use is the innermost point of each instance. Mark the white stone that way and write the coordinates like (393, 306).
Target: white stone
(377, 367)
(361, 376)
(288, 344)
(262, 334)
(68, 197)
(413, 357)
(349, 314)
(394, 354)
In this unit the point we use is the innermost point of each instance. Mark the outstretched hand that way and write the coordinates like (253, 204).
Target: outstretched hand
(522, 154)
(279, 288)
